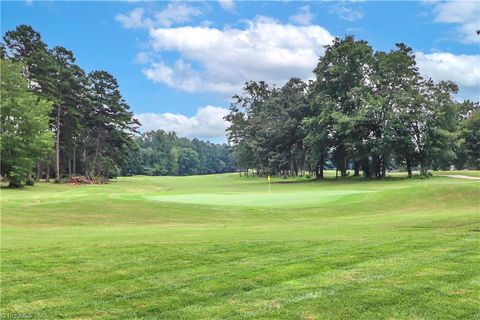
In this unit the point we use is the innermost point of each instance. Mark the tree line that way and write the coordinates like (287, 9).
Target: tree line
(58, 121)
(45, 93)
(159, 153)
(366, 110)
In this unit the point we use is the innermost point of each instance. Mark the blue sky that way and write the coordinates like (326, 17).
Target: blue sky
(178, 63)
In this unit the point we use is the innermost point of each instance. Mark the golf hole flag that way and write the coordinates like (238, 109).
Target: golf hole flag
(269, 179)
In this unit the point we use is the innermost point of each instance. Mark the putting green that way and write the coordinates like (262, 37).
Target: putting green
(300, 199)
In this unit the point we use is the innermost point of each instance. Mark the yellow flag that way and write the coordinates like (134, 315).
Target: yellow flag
(269, 178)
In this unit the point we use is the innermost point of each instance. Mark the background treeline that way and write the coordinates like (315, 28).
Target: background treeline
(366, 110)
(163, 153)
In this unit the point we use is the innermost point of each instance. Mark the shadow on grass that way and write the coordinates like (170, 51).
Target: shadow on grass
(340, 180)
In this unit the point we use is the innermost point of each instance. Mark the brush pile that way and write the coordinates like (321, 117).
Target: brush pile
(79, 180)
(85, 180)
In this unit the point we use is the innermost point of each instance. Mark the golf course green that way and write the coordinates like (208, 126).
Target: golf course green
(230, 247)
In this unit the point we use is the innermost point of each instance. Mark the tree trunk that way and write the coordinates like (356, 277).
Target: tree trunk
(409, 166)
(97, 150)
(423, 168)
(86, 163)
(100, 171)
(74, 160)
(292, 166)
(303, 162)
(322, 161)
(344, 167)
(384, 166)
(357, 168)
(39, 171)
(47, 178)
(69, 167)
(367, 172)
(57, 146)
(376, 166)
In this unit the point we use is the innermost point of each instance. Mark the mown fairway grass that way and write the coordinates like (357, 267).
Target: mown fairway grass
(221, 247)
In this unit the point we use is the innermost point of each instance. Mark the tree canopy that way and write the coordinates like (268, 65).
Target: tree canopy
(90, 120)
(159, 153)
(24, 132)
(365, 110)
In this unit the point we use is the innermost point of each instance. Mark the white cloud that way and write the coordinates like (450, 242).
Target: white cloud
(173, 13)
(226, 58)
(227, 4)
(206, 124)
(464, 14)
(346, 11)
(462, 69)
(222, 59)
(133, 20)
(181, 76)
(176, 12)
(303, 17)
(143, 58)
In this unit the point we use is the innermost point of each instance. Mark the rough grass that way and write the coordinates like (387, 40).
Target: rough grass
(399, 249)
(468, 173)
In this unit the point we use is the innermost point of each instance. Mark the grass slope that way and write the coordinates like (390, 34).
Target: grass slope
(221, 246)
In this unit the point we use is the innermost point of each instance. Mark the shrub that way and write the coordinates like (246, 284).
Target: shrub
(423, 176)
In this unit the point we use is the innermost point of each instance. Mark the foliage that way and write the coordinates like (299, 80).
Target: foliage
(468, 154)
(24, 119)
(159, 153)
(92, 124)
(367, 111)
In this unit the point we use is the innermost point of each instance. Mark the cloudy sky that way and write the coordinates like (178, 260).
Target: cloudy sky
(179, 63)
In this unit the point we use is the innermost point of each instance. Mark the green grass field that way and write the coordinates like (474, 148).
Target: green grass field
(468, 173)
(220, 246)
